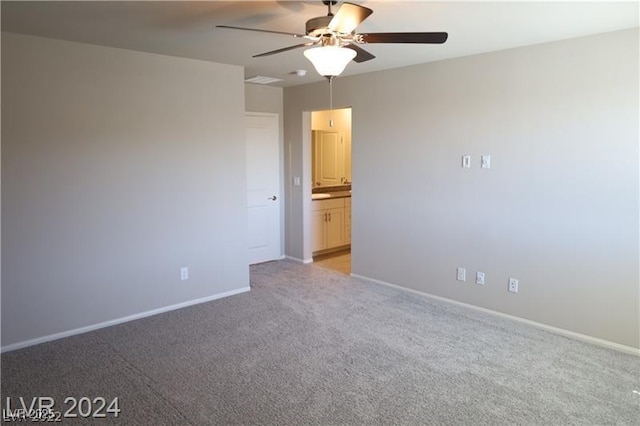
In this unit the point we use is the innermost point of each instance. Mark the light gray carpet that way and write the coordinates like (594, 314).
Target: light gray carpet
(312, 346)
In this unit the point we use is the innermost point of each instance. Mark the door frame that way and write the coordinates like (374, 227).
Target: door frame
(307, 251)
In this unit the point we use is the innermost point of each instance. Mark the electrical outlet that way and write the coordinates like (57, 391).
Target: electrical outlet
(513, 285)
(480, 278)
(184, 273)
(485, 162)
(461, 274)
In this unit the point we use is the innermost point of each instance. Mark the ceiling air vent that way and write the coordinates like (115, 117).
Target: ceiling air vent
(259, 79)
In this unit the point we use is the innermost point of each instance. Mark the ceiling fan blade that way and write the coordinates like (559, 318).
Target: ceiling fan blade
(284, 49)
(361, 54)
(260, 31)
(348, 17)
(435, 38)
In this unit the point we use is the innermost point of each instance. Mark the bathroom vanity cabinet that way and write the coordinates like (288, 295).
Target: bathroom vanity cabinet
(331, 223)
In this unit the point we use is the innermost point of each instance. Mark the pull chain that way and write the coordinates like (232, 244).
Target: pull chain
(331, 101)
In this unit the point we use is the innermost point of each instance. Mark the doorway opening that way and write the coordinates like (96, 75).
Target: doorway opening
(331, 189)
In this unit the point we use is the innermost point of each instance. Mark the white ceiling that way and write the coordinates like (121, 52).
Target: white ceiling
(187, 29)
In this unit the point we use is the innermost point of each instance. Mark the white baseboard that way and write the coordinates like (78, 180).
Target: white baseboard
(281, 257)
(567, 333)
(295, 259)
(61, 335)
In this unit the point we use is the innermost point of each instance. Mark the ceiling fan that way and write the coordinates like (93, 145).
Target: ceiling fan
(336, 41)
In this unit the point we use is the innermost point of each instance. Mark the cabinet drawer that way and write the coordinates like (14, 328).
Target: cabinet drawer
(327, 204)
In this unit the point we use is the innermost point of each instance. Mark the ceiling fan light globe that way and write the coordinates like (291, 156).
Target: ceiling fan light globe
(329, 61)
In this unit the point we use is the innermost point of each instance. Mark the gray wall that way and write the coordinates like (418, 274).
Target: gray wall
(558, 209)
(118, 168)
(260, 98)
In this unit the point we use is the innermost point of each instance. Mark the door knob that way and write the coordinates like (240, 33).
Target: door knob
(273, 198)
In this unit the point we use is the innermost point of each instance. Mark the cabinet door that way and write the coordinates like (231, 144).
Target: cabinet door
(318, 227)
(335, 228)
(328, 158)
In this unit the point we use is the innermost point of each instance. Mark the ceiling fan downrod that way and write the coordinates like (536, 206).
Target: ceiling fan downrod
(329, 4)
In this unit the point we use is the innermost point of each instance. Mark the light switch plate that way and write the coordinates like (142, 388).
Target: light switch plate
(461, 274)
(466, 161)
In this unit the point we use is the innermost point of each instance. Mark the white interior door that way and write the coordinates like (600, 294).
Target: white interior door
(263, 187)
(329, 158)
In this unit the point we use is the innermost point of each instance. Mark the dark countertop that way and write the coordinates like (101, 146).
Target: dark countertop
(328, 192)
(327, 189)
(330, 195)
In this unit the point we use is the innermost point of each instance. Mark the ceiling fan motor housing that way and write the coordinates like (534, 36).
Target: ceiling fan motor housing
(318, 27)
